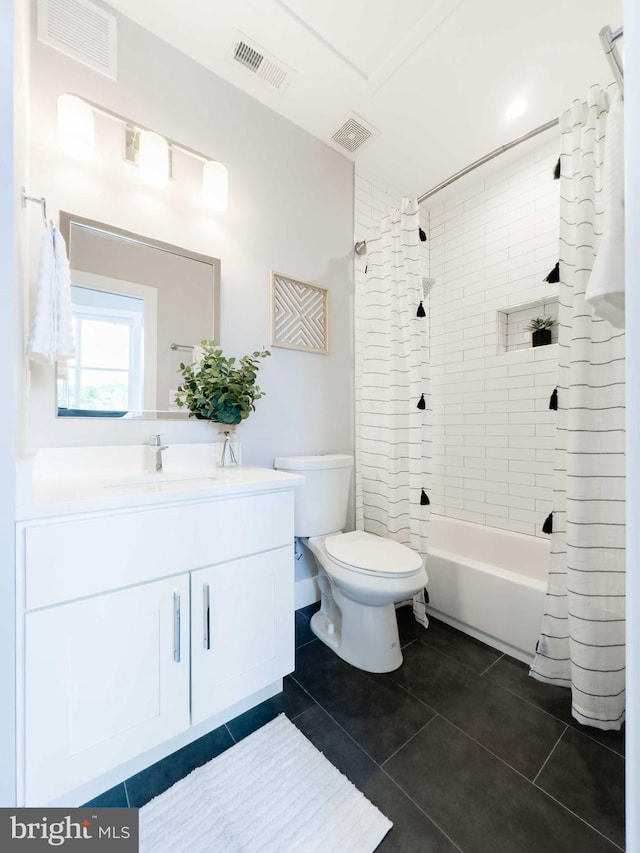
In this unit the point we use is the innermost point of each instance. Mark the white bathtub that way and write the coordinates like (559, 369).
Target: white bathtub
(488, 582)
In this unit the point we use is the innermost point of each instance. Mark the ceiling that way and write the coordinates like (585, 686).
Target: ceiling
(431, 78)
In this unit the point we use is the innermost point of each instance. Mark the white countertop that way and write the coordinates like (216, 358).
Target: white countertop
(47, 489)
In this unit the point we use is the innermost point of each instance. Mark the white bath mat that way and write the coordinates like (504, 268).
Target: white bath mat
(271, 793)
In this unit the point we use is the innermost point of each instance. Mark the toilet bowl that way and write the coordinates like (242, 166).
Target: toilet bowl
(357, 617)
(361, 576)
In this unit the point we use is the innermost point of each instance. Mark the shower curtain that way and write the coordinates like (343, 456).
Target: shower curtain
(582, 638)
(393, 400)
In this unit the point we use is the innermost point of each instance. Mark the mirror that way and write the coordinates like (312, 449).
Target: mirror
(139, 308)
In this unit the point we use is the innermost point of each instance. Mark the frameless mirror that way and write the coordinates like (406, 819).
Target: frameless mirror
(139, 308)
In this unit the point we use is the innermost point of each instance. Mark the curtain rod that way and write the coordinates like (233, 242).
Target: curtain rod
(608, 38)
(487, 157)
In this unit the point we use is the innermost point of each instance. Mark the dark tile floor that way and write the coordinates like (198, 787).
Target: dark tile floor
(460, 748)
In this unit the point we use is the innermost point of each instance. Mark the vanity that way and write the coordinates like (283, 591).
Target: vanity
(152, 608)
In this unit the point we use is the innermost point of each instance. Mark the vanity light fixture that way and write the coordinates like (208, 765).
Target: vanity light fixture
(148, 150)
(153, 159)
(215, 189)
(75, 127)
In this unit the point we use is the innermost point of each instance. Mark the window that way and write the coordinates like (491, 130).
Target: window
(107, 372)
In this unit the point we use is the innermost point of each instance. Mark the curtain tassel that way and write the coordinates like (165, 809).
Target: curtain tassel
(423, 236)
(553, 400)
(421, 402)
(420, 312)
(424, 499)
(556, 171)
(554, 275)
(547, 527)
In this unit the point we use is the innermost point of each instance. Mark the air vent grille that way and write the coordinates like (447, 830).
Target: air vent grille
(82, 30)
(353, 134)
(247, 56)
(266, 68)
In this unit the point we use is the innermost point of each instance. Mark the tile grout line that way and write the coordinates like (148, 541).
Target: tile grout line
(553, 749)
(553, 716)
(537, 787)
(336, 722)
(421, 729)
(455, 660)
(126, 794)
(484, 672)
(362, 749)
(419, 807)
(582, 819)
(230, 734)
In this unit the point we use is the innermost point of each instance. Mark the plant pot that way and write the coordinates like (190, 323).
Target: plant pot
(541, 337)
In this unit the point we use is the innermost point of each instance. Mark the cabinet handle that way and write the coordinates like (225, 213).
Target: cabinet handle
(176, 627)
(206, 616)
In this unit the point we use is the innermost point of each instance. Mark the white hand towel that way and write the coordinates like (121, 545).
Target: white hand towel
(41, 339)
(65, 338)
(605, 291)
(198, 355)
(52, 337)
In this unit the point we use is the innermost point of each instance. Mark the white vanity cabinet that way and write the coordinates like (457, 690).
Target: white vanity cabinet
(240, 630)
(106, 676)
(145, 625)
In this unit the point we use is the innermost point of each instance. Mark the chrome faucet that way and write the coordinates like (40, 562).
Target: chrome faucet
(155, 443)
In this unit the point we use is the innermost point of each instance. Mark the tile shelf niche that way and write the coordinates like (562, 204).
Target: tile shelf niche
(512, 323)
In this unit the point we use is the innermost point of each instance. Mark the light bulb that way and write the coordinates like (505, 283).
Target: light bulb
(215, 189)
(516, 109)
(75, 127)
(153, 159)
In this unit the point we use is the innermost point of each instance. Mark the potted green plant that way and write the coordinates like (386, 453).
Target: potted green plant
(218, 388)
(540, 327)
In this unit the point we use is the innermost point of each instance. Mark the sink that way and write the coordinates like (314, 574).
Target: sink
(159, 479)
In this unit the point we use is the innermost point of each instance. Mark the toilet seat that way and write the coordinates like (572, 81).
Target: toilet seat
(368, 554)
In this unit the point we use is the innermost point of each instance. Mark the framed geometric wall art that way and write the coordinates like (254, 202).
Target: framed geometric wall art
(299, 315)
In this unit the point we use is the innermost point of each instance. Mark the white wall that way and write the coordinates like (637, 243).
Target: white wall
(14, 33)
(490, 247)
(632, 191)
(290, 209)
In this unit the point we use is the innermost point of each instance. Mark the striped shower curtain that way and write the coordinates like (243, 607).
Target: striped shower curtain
(393, 400)
(581, 644)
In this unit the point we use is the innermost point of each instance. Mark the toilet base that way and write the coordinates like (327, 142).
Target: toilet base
(367, 637)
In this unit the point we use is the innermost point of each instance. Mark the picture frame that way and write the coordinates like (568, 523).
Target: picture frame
(299, 315)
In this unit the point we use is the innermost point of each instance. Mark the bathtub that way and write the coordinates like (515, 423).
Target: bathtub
(487, 582)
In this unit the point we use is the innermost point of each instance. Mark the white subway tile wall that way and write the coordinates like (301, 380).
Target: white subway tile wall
(490, 249)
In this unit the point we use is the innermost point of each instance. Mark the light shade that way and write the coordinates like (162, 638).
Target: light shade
(215, 189)
(75, 127)
(153, 158)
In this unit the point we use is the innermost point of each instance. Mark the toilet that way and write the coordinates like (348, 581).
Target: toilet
(360, 575)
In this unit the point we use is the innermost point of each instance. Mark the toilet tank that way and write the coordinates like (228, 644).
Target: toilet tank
(321, 503)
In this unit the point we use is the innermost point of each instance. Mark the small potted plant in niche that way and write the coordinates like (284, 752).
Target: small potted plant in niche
(540, 327)
(222, 390)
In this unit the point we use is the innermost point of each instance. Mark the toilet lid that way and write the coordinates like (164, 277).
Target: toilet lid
(366, 552)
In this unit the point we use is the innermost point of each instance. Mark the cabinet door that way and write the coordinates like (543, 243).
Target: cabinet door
(241, 629)
(106, 679)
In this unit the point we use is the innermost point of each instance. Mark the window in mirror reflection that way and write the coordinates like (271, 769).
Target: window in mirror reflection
(107, 372)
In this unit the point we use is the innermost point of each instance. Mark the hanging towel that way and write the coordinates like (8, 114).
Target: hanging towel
(605, 290)
(52, 338)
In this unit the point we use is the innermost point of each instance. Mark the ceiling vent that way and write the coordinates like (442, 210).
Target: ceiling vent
(258, 62)
(354, 133)
(83, 31)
